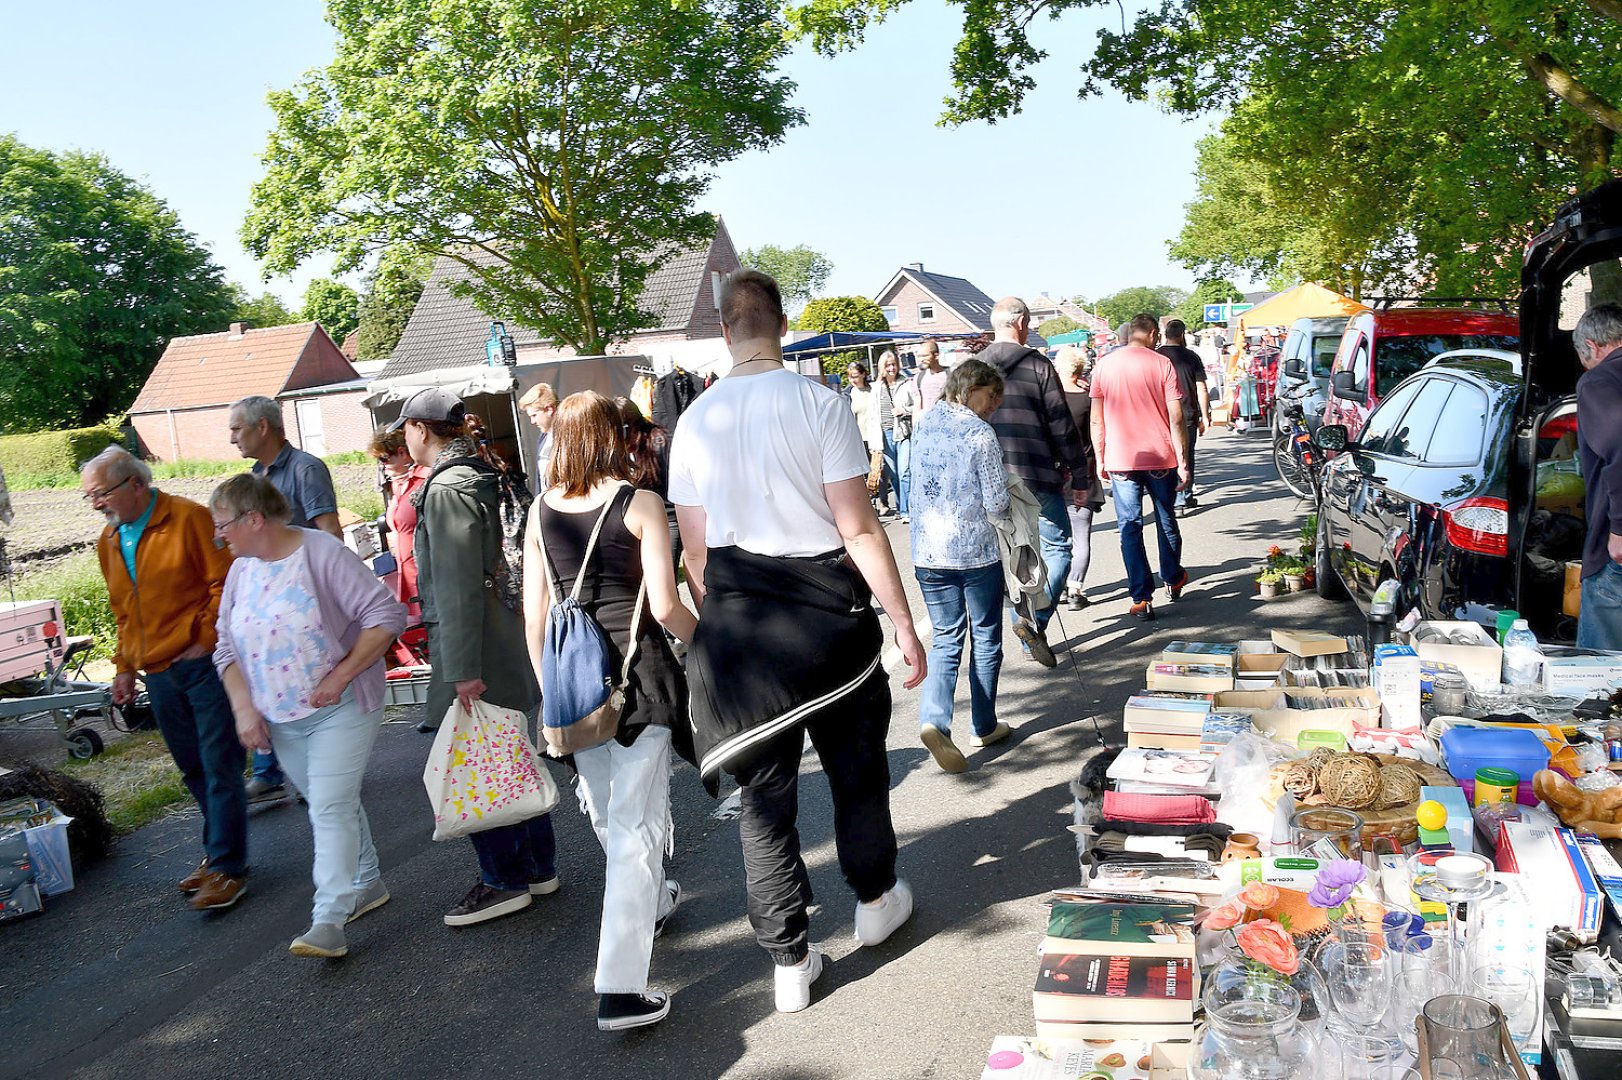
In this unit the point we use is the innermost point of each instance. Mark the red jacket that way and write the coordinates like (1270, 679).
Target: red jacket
(179, 575)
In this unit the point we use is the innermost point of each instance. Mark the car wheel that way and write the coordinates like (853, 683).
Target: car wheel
(1326, 580)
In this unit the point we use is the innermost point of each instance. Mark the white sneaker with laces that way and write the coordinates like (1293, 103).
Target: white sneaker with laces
(793, 983)
(877, 921)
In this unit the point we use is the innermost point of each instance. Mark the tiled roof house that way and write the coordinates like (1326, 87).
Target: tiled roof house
(924, 302)
(182, 410)
(450, 331)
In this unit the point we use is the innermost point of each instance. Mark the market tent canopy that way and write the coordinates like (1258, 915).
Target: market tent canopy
(1302, 302)
(1074, 337)
(839, 339)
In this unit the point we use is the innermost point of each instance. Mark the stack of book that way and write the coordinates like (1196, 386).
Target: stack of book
(1117, 971)
(1200, 667)
(1157, 720)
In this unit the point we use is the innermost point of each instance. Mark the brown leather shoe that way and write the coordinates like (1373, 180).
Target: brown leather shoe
(219, 891)
(194, 880)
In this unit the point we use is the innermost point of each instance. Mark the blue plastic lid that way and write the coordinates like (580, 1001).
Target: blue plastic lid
(1471, 748)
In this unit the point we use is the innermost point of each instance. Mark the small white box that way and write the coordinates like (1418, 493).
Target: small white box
(1396, 680)
(1571, 676)
(1554, 874)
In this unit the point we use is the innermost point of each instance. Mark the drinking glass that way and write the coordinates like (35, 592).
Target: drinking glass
(1463, 1041)
(1328, 831)
(1359, 977)
(1416, 987)
(1515, 991)
(1436, 954)
(1361, 1057)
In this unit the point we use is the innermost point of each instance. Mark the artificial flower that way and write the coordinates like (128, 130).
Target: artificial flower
(1335, 883)
(1266, 942)
(1258, 896)
(1225, 917)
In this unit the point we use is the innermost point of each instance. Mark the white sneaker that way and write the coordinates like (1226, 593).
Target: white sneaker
(875, 922)
(794, 983)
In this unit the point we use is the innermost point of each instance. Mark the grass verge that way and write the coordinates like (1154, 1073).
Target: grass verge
(77, 583)
(137, 777)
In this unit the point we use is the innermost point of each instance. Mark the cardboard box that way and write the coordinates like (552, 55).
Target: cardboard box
(1569, 673)
(1309, 642)
(1571, 602)
(1554, 874)
(1259, 662)
(1481, 664)
(1605, 869)
(1461, 824)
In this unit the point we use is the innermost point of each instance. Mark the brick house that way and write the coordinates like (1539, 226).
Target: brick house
(682, 294)
(183, 410)
(925, 302)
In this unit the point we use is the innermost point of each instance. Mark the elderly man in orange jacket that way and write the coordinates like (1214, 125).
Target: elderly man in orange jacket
(164, 577)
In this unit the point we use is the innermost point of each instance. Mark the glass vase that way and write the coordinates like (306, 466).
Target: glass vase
(1308, 983)
(1253, 1030)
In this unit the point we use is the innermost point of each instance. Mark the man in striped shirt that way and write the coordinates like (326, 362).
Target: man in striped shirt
(1040, 445)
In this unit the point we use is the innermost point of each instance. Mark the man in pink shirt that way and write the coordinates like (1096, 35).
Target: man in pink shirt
(1137, 423)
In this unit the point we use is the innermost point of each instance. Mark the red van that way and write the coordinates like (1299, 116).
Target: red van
(1382, 347)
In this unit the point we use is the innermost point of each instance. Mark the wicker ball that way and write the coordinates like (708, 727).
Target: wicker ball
(1301, 779)
(1350, 780)
(1320, 757)
(1399, 786)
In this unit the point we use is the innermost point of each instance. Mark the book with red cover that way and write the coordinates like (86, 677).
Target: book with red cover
(1098, 988)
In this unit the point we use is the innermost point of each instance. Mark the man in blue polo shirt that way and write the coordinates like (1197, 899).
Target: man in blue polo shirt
(304, 480)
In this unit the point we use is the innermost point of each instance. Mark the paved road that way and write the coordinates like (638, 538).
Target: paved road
(120, 979)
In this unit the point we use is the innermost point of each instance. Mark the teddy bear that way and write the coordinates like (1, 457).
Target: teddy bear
(1597, 812)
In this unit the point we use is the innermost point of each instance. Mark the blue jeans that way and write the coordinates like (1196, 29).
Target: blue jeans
(1053, 525)
(513, 856)
(897, 466)
(1129, 488)
(1600, 624)
(325, 754)
(1192, 432)
(194, 715)
(265, 768)
(962, 602)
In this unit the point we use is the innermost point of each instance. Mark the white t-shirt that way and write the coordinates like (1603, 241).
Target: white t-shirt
(754, 451)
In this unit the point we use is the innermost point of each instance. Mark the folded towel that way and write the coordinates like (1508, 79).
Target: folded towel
(1161, 809)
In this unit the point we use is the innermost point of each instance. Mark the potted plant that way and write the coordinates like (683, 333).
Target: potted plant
(1295, 575)
(1270, 582)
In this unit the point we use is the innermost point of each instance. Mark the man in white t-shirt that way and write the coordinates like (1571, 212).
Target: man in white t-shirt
(784, 555)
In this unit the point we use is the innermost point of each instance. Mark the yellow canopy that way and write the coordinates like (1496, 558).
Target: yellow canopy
(1301, 302)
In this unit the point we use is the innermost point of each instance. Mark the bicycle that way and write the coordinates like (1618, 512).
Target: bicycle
(1295, 456)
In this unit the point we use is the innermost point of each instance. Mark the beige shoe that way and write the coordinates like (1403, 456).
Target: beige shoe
(943, 749)
(998, 734)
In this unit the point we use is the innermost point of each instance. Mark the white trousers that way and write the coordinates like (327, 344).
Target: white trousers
(325, 756)
(626, 792)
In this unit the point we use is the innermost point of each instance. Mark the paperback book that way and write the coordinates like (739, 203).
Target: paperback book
(1197, 678)
(1094, 988)
(1164, 930)
(1165, 768)
(1202, 652)
(1017, 1058)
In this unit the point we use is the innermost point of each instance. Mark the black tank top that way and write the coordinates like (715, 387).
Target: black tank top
(657, 693)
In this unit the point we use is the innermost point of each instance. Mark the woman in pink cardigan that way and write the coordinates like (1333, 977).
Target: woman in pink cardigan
(303, 627)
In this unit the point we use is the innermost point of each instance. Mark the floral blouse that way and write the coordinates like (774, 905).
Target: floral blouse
(958, 486)
(284, 649)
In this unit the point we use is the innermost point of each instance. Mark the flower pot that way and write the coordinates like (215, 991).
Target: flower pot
(1268, 589)
(1296, 582)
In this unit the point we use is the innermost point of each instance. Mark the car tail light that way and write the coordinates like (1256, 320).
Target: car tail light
(1478, 525)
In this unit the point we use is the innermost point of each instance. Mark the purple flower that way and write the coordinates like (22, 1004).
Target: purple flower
(1335, 883)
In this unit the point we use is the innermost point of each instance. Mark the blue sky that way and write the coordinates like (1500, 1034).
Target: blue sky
(1070, 197)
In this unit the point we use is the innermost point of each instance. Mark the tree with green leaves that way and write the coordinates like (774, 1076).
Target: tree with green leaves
(392, 290)
(96, 275)
(850, 314)
(800, 271)
(332, 304)
(1463, 124)
(1158, 301)
(1059, 324)
(555, 150)
(261, 311)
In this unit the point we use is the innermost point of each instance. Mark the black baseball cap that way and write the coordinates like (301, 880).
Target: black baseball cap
(435, 405)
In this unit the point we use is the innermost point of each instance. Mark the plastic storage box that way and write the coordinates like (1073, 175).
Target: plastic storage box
(1470, 748)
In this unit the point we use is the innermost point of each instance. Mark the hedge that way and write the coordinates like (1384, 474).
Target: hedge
(52, 458)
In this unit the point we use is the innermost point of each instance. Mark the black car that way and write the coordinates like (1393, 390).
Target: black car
(1461, 484)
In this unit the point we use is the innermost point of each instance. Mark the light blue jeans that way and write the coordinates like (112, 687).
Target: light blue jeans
(1600, 624)
(325, 755)
(962, 603)
(898, 468)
